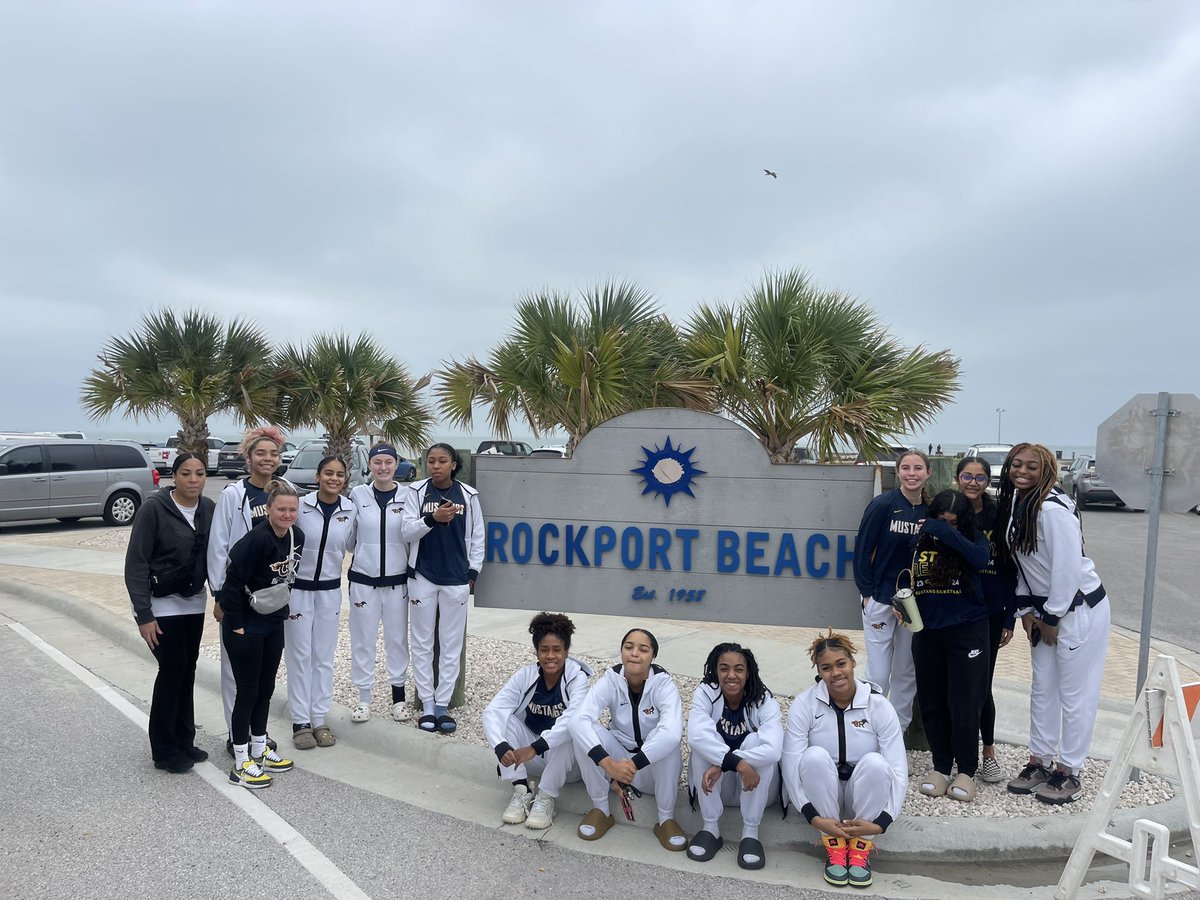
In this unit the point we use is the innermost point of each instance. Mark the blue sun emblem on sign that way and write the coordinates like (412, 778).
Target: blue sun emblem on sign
(668, 471)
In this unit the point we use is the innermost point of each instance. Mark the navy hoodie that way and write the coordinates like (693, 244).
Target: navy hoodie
(883, 547)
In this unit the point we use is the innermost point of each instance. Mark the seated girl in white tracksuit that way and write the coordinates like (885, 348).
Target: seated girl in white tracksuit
(443, 525)
(640, 748)
(378, 589)
(736, 736)
(843, 761)
(311, 630)
(528, 722)
(241, 506)
(1065, 615)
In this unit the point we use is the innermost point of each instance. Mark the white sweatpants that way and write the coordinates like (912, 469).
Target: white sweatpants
(660, 778)
(889, 658)
(369, 606)
(554, 769)
(728, 790)
(1066, 687)
(228, 690)
(310, 644)
(428, 600)
(864, 796)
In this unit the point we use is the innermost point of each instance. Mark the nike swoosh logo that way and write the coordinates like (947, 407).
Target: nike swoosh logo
(973, 654)
(1076, 647)
(817, 717)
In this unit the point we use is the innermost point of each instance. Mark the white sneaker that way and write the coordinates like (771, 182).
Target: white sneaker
(401, 712)
(518, 806)
(361, 713)
(541, 814)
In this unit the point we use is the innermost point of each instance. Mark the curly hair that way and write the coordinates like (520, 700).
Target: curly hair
(557, 624)
(251, 439)
(755, 690)
(1022, 535)
(948, 565)
(831, 640)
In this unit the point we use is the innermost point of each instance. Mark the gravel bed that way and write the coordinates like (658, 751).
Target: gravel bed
(490, 662)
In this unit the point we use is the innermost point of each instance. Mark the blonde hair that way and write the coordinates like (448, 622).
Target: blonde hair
(255, 436)
(831, 640)
(280, 488)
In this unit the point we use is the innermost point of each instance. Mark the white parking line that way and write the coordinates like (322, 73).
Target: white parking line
(337, 882)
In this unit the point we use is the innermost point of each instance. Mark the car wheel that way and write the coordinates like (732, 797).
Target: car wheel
(1080, 502)
(121, 508)
(411, 476)
(232, 477)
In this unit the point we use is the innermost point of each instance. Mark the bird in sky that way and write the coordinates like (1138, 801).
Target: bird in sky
(769, 172)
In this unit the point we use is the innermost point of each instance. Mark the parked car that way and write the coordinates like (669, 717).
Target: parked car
(287, 454)
(505, 448)
(68, 480)
(995, 454)
(303, 470)
(549, 452)
(1085, 486)
(164, 457)
(231, 464)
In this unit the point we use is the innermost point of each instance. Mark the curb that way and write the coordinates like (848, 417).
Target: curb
(911, 838)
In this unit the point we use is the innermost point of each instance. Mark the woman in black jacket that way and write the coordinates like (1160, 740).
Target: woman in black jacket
(266, 555)
(164, 574)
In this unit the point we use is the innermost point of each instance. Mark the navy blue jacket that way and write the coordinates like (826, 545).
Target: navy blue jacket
(883, 547)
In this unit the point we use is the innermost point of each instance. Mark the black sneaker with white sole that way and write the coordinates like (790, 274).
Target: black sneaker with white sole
(1062, 787)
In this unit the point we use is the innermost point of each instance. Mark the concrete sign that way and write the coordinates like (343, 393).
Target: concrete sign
(1125, 450)
(674, 514)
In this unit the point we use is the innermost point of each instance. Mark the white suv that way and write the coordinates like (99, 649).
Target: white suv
(995, 454)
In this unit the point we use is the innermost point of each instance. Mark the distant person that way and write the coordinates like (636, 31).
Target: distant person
(938, 451)
(1066, 618)
(931, 449)
(379, 585)
(882, 552)
(443, 525)
(241, 506)
(735, 734)
(848, 780)
(311, 632)
(264, 557)
(639, 748)
(527, 723)
(973, 476)
(165, 572)
(949, 651)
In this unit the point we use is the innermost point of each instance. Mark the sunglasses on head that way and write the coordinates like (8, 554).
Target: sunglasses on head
(966, 478)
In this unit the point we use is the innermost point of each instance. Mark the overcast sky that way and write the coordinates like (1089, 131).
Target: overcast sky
(1016, 182)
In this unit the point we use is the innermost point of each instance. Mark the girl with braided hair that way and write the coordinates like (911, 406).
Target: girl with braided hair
(736, 737)
(949, 652)
(1063, 610)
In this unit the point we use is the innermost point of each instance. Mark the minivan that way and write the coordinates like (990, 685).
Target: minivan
(70, 479)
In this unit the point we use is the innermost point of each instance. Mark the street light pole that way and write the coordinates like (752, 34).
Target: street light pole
(999, 418)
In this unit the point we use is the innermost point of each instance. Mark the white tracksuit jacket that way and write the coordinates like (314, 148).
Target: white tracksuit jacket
(230, 522)
(416, 528)
(378, 539)
(325, 543)
(651, 732)
(512, 698)
(1057, 569)
(870, 725)
(763, 718)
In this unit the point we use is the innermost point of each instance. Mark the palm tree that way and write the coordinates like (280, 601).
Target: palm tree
(350, 386)
(793, 361)
(573, 364)
(189, 365)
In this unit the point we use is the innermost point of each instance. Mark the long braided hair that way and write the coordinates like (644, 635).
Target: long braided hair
(755, 691)
(1022, 537)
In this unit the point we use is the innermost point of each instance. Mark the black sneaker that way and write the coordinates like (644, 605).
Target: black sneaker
(176, 765)
(195, 754)
(1061, 788)
(1029, 780)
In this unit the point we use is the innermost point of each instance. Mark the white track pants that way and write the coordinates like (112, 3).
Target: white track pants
(553, 770)
(310, 643)
(864, 796)
(660, 779)
(443, 606)
(1066, 687)
(369, 606)
(890, 659)
(728, 790)
(228, 689)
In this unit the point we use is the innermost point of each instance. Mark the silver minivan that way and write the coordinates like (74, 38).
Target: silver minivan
(70, 479)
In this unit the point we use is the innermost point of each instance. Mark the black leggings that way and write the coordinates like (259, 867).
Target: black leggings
(254, 659)
(987, 719)
(172, 705)
(952, 667)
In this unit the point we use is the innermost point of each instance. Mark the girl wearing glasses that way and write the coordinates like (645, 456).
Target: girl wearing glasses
(882, 551)
(996, 580)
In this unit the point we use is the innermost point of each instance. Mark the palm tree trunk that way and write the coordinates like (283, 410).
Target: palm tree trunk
(193, 437)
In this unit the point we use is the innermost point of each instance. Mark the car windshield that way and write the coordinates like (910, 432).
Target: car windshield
(309, 457)
(995, 458)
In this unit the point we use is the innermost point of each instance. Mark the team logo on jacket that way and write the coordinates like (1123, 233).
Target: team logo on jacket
(668, 471)
(343, 519)
(879, 626)
(294, 616)
(649, 711)
(860, 723)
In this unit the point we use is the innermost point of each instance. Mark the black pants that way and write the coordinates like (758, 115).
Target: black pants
(254, 659)
(172, 705)
(987, 719)
(952, 667)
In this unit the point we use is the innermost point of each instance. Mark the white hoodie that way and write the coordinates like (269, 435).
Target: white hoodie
(651, 732)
